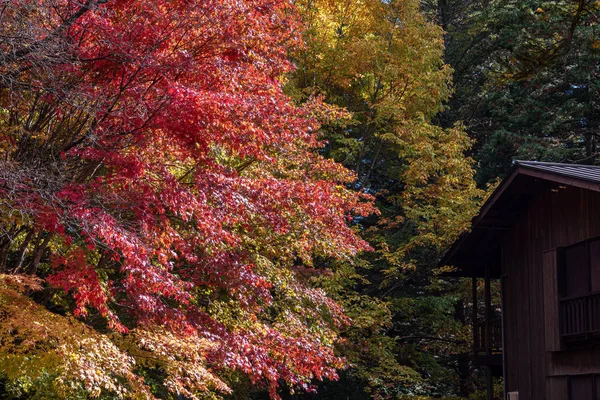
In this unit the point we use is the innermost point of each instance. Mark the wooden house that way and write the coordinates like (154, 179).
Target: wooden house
(539, 235)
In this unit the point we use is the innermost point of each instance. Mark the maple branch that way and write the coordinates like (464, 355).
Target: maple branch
(89, 4)
(39, 251)
(244, 165)
(23, 250)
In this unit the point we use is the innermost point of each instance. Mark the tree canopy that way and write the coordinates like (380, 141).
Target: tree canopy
(168, 193)
(249, 198)
(383, 62)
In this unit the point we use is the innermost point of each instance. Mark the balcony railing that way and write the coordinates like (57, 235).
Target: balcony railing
(483, 343)
(580, 316)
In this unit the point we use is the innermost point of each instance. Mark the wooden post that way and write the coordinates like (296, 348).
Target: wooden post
(488, 312)
(488, 331)
(489, 382)
(502, 308)
(474, 315)
(503, 322)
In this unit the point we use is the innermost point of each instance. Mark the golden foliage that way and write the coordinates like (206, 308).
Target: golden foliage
(38, 346)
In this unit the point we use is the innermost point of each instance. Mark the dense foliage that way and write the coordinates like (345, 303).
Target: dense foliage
(526, 78)
(248, 199)
(383, 62)
(168, 194)
(525, 86)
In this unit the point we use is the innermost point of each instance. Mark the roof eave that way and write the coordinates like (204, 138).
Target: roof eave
(518, 169)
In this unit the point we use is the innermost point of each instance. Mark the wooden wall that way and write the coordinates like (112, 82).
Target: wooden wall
(554, 219)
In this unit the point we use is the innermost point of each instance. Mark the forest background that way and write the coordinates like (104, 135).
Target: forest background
(173, 223)
(521, 79)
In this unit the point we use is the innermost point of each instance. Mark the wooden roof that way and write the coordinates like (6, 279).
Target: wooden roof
(481, 245)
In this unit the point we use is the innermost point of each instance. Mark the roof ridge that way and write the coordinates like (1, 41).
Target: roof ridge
(555, 164)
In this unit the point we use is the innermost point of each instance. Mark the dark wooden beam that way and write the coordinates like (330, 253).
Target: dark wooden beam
(488, 331)
(474, 315)
(488, 311)
(489, 382)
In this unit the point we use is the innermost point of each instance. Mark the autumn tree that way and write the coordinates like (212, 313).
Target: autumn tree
(383, 63)
(158, 185)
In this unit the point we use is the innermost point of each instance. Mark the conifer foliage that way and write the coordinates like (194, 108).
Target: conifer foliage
(167, 193)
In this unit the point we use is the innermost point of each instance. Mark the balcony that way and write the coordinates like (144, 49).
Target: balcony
(485, 343)
(580, 318)
(487, 328)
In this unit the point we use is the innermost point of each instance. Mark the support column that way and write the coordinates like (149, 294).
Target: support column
(489, 382)
(474, 315)
(488, 312)
(488, 331)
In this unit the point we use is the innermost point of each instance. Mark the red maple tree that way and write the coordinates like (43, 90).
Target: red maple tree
(148, 151)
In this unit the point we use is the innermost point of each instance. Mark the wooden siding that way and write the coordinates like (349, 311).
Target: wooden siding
(557, 388)
(551, 313)
(554, 219)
